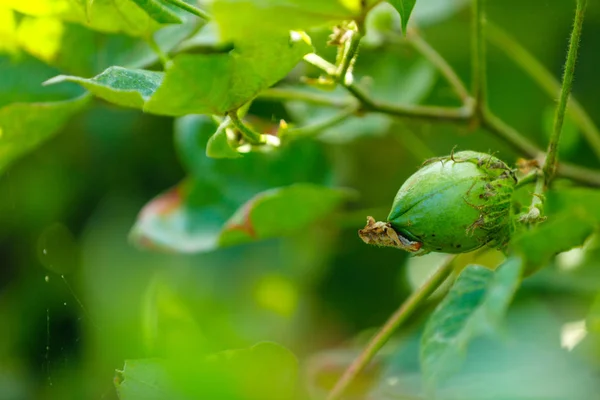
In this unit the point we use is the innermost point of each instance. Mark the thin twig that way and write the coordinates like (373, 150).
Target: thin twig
(286, 94)
(412, 111)
(318, 127)
(162, 56)
(431, 113)
(510, 135)
(383, 335)
(441, 64)
(550, 164)
(582, 175)
(478, 58)
(545, 80)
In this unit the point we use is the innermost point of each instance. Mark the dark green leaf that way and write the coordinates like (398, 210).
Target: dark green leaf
(218, 145)
(405, 8)
(24, 126)
(122, 86)
(475, 305)
(203, 84)
(30, 113)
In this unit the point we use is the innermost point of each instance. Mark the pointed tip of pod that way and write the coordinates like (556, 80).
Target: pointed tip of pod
(383, 234)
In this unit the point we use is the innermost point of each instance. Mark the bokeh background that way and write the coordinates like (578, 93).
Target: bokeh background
(77, 297)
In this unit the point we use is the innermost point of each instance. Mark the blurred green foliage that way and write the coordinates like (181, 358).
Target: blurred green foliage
(186, 297)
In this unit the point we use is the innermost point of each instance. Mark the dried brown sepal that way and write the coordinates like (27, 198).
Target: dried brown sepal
(382, 234)
(526, 166)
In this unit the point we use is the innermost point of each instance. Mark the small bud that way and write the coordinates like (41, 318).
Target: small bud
(453, 204)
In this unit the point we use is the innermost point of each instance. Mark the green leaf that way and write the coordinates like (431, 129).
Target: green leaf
(560, 233)
(405, 8)
(203, 84)
(218, 145)
(265, 371)
(24, 126)
(191, 218)
(30, 113)
(527, 362)
(238, 17)
(143, 379)
(583, 201)
(280, 212)
(256, 171)
(122, 86)
(158, 11)
(475, 305)
(217, 83)
(573, 215)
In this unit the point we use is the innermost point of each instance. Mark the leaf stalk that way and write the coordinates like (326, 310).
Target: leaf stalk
(412, 303)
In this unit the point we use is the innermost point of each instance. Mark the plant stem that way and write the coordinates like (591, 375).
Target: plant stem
(344, 71)
(478, 58)
(249, 134)
(162, 56)
(550, 164)
(413, 111)
(579, 174)
(383, 335)
(464, 114)
(189, 8)
(442, 65)
(285, 94)
(535, 212)
(321, 63)
(318, 127)
(545, 80)
(508, 134)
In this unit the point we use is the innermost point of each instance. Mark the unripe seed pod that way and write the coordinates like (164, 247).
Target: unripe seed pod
(453, 204)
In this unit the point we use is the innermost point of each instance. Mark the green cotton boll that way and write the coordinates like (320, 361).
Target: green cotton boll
(455, 204)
